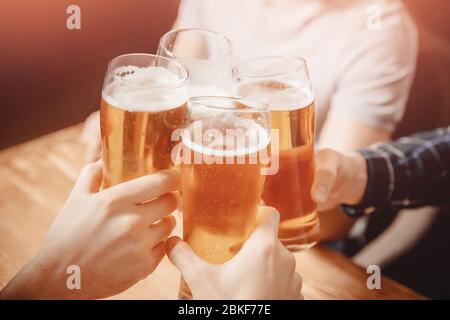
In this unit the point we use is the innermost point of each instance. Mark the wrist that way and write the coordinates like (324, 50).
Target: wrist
(52, 276)
(28, 283)
(41, 278)
(357, 177)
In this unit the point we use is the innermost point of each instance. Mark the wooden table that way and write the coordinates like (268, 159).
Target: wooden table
(35, 179)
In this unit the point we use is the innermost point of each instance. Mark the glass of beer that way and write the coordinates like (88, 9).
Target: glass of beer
(207, 55)
(144, 99)
(283, 83)
(225, 148)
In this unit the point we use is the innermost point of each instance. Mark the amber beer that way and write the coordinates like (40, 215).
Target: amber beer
(221, 185)
(140, 108)
(292, 114)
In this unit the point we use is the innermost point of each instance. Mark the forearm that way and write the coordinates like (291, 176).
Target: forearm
(344, 135)
(409, 172)
(38, 281)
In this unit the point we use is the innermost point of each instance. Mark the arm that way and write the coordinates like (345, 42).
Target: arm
(373, 80)
(352, 134)
(357, 135)
(410, 172)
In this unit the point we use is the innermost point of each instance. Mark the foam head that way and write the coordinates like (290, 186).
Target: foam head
(149, 89)
(226, 135)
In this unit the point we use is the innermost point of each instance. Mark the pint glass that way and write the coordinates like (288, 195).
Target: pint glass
(144, 99)
(225, 148)
(283, 83)
(207, 55)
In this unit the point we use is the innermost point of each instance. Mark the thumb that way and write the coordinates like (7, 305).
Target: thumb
(326, 165)
(266, 231)
(268, 221)
(184, 258)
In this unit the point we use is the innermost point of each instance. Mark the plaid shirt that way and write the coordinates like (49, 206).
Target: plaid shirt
(408, 173)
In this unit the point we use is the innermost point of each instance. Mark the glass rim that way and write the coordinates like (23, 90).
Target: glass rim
(256, 106)
(236, 73)
(184, 81)
(200, 30)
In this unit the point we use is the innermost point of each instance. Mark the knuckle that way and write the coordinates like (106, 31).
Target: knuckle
(333, 198)
(162, 230)
(170, 201)
(127, 235)
(109, 201)
(167, 229)
(325, 153)
(332, 154)
(159, 180)
(132, 224)
(328, 173)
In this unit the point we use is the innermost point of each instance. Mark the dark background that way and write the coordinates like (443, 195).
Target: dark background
(51, 77)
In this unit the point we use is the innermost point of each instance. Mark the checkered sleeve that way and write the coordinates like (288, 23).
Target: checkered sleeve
(411, 172)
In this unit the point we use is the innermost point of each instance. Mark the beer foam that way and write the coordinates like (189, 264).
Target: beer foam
(279, 95)
(144, 89)
(229, 127)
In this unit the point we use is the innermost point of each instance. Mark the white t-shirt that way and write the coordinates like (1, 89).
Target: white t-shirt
(358, 71)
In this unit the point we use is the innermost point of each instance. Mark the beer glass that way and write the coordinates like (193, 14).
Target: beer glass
(206, 54)
(283, 83)
(144, 99)
(225, 149)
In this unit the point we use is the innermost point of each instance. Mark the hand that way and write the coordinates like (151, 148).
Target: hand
(262, 269)
(91, 137)
(339, 179)
(114, 241)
